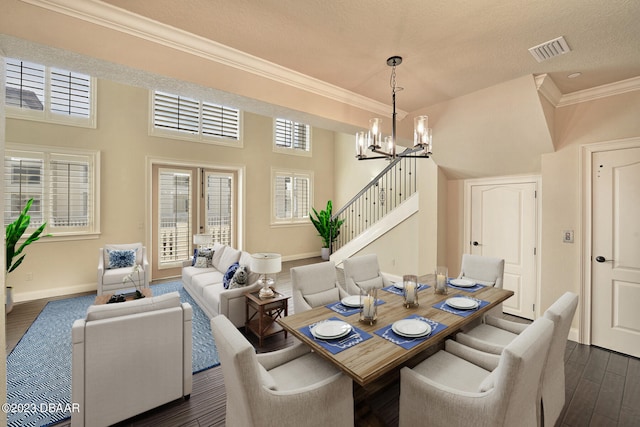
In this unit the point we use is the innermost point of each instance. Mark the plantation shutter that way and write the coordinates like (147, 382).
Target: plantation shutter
(25, 85)
(283, 194)
(293, 135)
(301, 197)
(219, 204)
(70, 195)
(220, 121)
(70, 93)
(175, 215)
(23, 180)
(176, 113)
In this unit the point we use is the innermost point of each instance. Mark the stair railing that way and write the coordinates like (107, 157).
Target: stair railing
(392, 186)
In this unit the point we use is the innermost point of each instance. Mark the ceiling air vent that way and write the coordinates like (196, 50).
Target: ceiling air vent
(550, 49)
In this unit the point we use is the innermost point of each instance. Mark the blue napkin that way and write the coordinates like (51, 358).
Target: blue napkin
(406, 342)
(442, 305)
(398, 291)
(335, 346)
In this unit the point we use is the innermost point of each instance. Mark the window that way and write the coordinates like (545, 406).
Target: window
(292, 137)
(291, 196)
(187, 118)
(62, 183)
(175, 214)
(36, 92)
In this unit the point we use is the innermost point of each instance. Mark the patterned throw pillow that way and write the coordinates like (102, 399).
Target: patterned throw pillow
(240, 278)
(202, 258)
(121, 258)
(229, 274)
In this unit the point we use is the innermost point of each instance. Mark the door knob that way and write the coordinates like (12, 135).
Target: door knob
(600, 258)
(475, 243)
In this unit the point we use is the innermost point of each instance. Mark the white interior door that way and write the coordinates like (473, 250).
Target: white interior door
(503, 225)
(615, 293)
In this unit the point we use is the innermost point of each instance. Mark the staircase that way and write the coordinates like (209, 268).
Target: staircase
(387, 200)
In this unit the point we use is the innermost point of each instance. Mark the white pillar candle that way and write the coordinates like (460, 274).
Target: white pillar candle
(368, 306)
(441, 281)
(410, 290)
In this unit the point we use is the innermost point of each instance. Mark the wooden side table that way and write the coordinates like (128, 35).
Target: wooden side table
(262, 322)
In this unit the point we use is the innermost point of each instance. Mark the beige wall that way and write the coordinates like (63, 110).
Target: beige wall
(601, 120)
(61, 267)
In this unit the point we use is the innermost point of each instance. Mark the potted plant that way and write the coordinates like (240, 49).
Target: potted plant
(13, 234)
(328, 229)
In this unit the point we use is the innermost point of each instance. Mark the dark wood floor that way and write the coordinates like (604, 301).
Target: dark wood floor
(602, 387)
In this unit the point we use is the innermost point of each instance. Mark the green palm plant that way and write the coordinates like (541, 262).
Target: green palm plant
(328, 229)
(13, 234)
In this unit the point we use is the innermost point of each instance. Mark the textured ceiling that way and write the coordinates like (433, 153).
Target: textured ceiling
(450, 48)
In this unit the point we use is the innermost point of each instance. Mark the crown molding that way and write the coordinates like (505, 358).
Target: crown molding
(617, 88)
(109, 16)
(550, 91)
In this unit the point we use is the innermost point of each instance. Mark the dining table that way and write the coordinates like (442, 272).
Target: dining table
(371, 351)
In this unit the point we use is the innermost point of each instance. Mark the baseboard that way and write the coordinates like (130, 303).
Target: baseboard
(573, 335)
(55, 292)
(301, 256)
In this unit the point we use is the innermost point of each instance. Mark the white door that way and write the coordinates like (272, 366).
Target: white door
(615, 293)
(503, 225)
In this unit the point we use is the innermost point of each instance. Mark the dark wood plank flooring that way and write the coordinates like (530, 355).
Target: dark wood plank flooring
(602, 387)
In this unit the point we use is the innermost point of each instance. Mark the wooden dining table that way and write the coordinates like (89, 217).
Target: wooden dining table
(372, 359)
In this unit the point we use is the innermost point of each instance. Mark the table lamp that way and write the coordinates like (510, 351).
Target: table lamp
(265, 264)
(202, 240)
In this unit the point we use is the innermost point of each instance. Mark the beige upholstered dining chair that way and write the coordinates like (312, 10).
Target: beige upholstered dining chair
(314, 285)
(484, 270)
(363, 272)
(460, 386)
(494, 335)
(288, 387)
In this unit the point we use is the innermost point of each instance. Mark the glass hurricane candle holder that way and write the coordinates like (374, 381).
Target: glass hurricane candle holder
(368, 308)
(410, 290)
(441, 280)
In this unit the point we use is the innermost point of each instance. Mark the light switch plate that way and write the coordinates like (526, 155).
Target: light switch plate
(567, 236)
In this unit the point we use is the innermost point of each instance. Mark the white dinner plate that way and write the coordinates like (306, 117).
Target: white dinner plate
(411, 328)
(462, 303)
(399, 285)
(351, 301)
(463, 283)
(331, 329)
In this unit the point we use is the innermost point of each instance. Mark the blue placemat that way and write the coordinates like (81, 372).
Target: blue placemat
(398, 291)
(356, 336)
(474, 288)
(405, 342)
(464, 313)
(342, 309)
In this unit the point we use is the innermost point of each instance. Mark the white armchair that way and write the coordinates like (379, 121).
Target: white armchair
(290, 387)
(314, 285)
(114, 266)
(496, 334)
(130, 357)
(363, 271)
(447, 390)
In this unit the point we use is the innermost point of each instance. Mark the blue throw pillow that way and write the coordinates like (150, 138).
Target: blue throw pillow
(229, 274)
(121, 258)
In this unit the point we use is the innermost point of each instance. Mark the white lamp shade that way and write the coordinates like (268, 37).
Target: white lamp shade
(266, 263)
(201, 239)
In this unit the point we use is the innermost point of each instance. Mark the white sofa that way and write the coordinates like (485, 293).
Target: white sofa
(205, 285)
(130, 357)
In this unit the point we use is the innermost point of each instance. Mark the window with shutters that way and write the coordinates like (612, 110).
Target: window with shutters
(180, 117)
(291, 137)
(291, 197)
(37, 92)
(63, 185)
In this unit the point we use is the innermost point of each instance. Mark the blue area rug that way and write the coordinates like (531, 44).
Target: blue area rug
(39, 368)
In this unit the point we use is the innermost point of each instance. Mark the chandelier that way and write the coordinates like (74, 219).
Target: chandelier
(386, 148)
